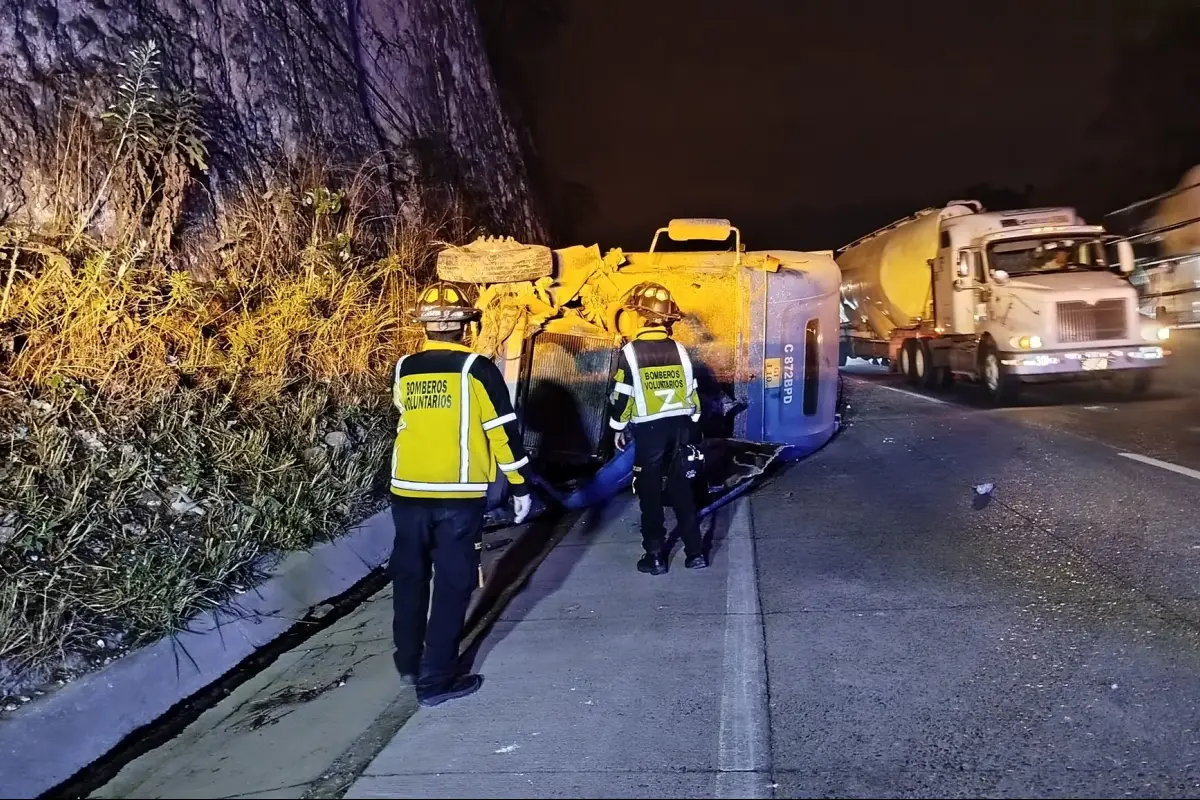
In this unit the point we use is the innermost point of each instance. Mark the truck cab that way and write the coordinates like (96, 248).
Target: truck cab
(758, 326)
(1030, 296)
(1001, 297)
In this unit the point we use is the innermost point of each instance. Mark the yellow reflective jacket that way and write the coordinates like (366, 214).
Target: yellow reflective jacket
(456, 426)
(654, 380)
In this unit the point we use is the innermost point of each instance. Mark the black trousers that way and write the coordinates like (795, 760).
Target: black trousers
(657, 444)
(437, 537)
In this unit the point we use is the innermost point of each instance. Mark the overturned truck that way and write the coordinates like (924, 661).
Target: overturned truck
(761, 326)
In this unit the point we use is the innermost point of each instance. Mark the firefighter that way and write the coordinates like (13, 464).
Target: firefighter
(654, 391)
(457, 426)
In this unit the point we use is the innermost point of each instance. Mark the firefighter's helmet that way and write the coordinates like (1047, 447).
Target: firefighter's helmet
(654, 302)
(444, 302)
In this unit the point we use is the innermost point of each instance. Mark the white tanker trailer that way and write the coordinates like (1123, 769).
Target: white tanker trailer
(1005, 298)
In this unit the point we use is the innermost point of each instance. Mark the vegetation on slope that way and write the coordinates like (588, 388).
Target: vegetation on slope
(169, 415)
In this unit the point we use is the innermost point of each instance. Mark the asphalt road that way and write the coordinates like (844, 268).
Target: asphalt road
(1039, 641)
(872, 626)
(1163, 424)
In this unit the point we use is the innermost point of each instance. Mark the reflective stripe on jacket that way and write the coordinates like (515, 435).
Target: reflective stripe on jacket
(456, 426)
(654, 380)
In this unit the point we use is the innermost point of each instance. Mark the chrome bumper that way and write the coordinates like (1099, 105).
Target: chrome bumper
(1096, 360)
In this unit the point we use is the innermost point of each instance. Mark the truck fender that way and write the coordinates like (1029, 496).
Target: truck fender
(985, 341)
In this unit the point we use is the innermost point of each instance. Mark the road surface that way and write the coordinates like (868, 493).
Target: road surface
(871, 627)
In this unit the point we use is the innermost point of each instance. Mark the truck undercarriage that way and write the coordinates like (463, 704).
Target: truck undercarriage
(554, 320)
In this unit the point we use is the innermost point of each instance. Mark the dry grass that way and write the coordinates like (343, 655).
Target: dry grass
(163, 428)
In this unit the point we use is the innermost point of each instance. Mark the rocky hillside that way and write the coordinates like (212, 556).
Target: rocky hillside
(276, 81)
(213, 215)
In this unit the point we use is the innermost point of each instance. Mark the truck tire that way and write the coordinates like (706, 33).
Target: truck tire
(928, 376)
(495, 260)
(907, 356)
(843, 354)
(1001, 386)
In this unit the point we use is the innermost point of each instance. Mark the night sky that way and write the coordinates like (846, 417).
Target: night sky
(809, 123)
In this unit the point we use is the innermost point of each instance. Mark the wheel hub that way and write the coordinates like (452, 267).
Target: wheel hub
(991, 371)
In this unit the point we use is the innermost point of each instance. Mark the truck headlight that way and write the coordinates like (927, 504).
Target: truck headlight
(1156, 333)
(1026, 342)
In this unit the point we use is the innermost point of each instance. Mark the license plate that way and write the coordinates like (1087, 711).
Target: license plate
(1095, 363)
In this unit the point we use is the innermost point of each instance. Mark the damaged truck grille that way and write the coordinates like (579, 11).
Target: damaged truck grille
(1080, 322)
(564, 405)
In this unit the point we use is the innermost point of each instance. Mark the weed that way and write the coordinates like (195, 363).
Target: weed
(163, 430)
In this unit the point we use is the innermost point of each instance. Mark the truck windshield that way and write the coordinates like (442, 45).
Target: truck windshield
(1041, 256)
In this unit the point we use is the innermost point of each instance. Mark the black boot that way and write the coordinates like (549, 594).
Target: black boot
(696, 562)
(461, 686)
(652, 564)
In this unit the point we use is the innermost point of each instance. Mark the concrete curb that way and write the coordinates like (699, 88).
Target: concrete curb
(48, 741)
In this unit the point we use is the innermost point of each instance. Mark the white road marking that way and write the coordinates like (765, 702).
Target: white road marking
(1154, 462)
(910, 394)
(743, 750)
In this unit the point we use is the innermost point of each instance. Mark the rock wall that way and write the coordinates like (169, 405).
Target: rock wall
(279, 80)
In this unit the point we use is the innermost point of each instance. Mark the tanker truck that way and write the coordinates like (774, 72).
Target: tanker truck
(1004, 298)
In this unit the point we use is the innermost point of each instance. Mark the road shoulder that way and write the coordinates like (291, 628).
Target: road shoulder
(309, 722)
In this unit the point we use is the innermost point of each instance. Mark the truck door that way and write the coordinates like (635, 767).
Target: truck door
(968, 289)
(980, 294)
(943, 283)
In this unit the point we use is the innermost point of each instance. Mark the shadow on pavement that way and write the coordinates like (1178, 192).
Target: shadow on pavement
(509, 573)
(532, 548)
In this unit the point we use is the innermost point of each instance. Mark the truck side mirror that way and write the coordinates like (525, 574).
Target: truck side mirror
(1000, 277)
(1125, 256)
(964, 264)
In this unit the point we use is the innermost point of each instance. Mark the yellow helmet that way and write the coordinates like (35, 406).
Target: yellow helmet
(654, 302)
(444, 302)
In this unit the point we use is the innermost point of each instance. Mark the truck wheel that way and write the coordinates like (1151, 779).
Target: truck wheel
(495, 260)
(842, 355)
(1001, 387)
(928, 375)
(907, 356)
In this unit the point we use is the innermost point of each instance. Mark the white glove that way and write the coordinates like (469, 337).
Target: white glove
(622, 440)
(521, 508)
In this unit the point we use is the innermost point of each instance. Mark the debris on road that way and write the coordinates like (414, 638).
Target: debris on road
(983, 496)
